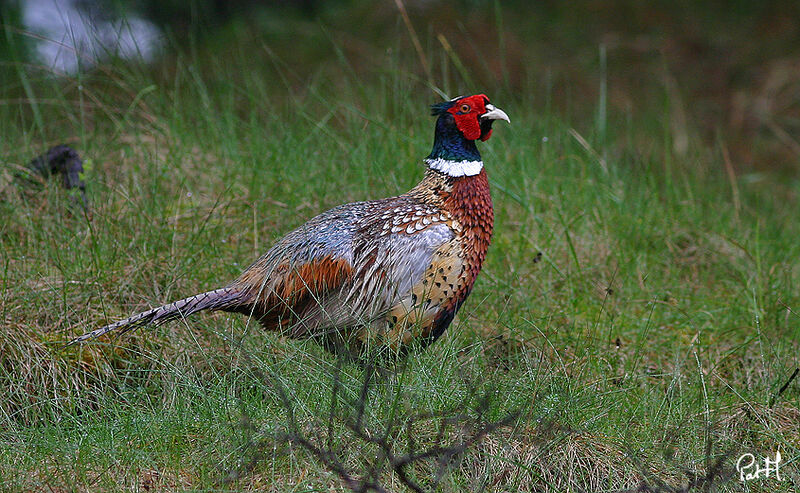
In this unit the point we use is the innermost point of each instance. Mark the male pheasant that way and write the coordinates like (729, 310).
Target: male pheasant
(382, 273)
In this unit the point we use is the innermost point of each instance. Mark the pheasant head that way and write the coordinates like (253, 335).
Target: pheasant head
(461, 122)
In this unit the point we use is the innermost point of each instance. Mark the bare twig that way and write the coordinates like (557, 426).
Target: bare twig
(784, 387)
(469, 426)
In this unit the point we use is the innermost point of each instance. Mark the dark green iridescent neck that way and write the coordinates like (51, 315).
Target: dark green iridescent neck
(449, 143)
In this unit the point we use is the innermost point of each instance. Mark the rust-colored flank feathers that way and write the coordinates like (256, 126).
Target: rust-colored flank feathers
(385, 274)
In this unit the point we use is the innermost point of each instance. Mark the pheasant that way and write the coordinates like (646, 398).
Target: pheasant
(384, 273)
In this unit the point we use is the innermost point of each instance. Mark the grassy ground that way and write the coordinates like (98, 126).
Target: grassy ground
(637, 316)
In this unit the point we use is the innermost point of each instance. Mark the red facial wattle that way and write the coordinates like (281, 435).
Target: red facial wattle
(467, 112)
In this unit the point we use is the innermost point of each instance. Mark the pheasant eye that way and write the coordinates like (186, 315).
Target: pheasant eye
(465, 108)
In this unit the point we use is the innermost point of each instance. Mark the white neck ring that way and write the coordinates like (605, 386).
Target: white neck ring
(455, 168)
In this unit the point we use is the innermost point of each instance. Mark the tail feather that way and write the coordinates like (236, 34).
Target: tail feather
(219, 299)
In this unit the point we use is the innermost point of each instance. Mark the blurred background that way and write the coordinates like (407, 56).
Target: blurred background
(724, 74)
(640, 295)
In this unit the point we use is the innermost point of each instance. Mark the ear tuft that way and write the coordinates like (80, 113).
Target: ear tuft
(440, 108)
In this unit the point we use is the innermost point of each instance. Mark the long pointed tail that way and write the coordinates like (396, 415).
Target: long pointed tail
(219, 299)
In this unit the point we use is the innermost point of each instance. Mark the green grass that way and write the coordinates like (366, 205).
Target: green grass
(660, 318)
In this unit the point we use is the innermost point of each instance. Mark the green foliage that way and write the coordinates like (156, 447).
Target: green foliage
(639, 303)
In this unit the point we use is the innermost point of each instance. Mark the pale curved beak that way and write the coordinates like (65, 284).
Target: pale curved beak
(494, 113)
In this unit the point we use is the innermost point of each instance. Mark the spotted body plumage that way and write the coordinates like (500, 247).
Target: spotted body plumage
(385, 273)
